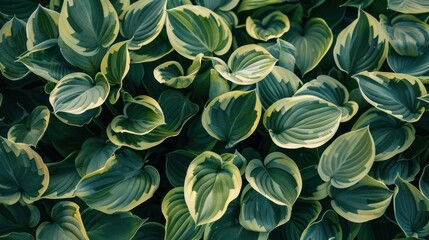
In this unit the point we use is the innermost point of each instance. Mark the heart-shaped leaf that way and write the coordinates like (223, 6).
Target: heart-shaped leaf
(328, 227)
(42, 25)
(277, 178)
(18, 217)
(302, 121)
(274, 25)
(408, 6)
(210, 185)
(424, 182)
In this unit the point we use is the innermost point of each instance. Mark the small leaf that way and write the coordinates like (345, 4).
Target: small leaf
(176, 165)
(424, 182)
(210, 185)
(42, 25)
(116, 63)
(302, 121)
(284, 52)
(408, 6)
(237, 159)
(274, 25)
(18, 217)
(328, 227)
(93, 155)
(277, 178)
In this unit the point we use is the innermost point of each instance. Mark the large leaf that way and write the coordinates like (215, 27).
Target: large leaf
(391, 136)
(32, 131)
(312, 42)
(121, 185)
(347, 159)
(302, 121)
(176, 165)
(88, 26)
(331, 90)
(277, 178)
(18, 217)
(24, 176)
(93, 155)
(424, 182)
(274, 25)
(328, 227)
(362, 46)
(67, 223)
(247, 65)
(232, 116)
(195, 29)
(393, 93)
(143, 21)
(408, 6)
(366, 200)
(179, 222)
(411, 209)
(280, 83)
(41, 26)
(210, 185)
(12, 44)
(259, 214)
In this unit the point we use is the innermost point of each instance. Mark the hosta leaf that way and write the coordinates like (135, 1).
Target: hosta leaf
(228, 227)
(328, 227)
(194, 29)
(347, 159)
(314, 188)
(32, 131)
(312, 42)
(223, 5)
(280, 83)
(358, 3)
(246, 5)
(77, 93)
(18, 217)
(210, 185)
(93, 155)
(284, 51)
(388, 170)
(17, 236)
(247, 65)
(120, 6)
(424, 182)
(259, 214)
(88, 26)
(277, 178)
(19, 8)
(391, 136)
(143, 21)
(272, 26)
(366, 200)
(302, 121)
(411, 209)
(63, 178)
(12, 44)
(361, 46)
(218, 85)
(408, 6)
(121, 185)
(142, 114)
(150, 231)
(179, 223)
(237, 159)
(116, 63)
(171, 73)
(154, 50)
(232, 116)
(393, 93)
(331, 90)
(303, 214)
(79, 120)
(41, 26)
(24, 176)
(67, 223)
(176, 165)
(415, 66)
(100, 226)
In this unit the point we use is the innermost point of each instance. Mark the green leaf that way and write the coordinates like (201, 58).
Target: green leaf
(32, 131)
(393, 93)
(210, 185)
(391, 136)
(19, 8)
(171, 73)
(143, 21)
(237, 159)
(24, 176)
(280, 83)
(411, 209)
(121, 185)
(314, 188)
(218, 85)
(424, 182)
(302, 121)
(67, 223)
(232, 117)
(179, 223)
(93, 155)
(388, 170)
(277, 178)
(328, 227)
(366, 200)
(194, 29)
(259, 214)
(347, 159)
(274, 25)
(331, 90)
(284, 52)
(41, 26)
(176, 165)
(100, 226)
(247, 65)
(361, 46)
(12, 44)
(408, 6)
(154, 50)
(120, 6)
(246, 5)
(198, 138)
(150, 231)
(223, 5)
(415, 66)
(18, 217)
(17, 236)
(312, 42)
(358, 3)
(88, 26)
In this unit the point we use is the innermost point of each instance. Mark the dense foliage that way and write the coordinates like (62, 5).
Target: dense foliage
(214, 119)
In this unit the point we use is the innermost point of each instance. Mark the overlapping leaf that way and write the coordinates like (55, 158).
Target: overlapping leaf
(42, 25)
(424, 182)
(93, 155)
(328, 227)
(284, 52)
(408, 6)
(272, 26)
(18, 217)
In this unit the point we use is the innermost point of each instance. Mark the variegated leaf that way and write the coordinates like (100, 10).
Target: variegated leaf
(274, 25)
